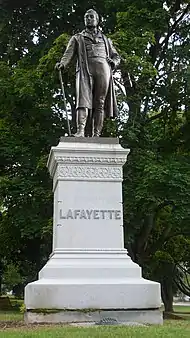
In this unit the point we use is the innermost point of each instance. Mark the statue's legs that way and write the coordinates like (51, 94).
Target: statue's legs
(81, 115)
(100, 71)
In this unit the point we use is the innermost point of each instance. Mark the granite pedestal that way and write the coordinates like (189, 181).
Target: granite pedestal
(89, 274)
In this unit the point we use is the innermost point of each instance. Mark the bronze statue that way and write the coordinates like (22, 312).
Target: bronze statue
(96, 59)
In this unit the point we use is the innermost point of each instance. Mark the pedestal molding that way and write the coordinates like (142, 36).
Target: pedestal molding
(90, 251)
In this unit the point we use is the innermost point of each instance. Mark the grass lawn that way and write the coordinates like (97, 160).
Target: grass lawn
(170, 329)
(12, 326)
(180, 308)
(10, 316)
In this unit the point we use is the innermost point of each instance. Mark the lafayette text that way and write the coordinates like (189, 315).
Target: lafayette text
(90, 214)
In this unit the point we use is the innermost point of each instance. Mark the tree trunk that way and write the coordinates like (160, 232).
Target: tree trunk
(0, 283)
(167, 294)
(18, 290)
(1, 275)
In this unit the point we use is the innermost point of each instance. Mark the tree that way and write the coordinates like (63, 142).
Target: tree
(11, 277)
(153, 40)
(28, 129)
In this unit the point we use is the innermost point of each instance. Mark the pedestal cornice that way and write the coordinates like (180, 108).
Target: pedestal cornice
(86, 159)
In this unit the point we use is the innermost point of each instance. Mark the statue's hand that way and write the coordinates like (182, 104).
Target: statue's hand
(111, 62)
(59, 66)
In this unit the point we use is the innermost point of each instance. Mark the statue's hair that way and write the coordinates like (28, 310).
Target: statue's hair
(92, 10)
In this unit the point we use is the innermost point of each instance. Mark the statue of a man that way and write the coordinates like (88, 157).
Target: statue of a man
(96, 59)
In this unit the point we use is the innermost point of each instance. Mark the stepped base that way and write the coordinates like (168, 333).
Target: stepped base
(123, 317)
(91, 279)
(128, 293)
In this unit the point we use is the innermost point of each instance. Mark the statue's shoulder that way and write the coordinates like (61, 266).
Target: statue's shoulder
(79, 35)
(105, 37)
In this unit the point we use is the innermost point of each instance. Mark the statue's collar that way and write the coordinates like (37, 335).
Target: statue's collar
(90, 35)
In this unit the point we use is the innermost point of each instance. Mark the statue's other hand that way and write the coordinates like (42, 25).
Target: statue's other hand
(111, 63)
(59, 66)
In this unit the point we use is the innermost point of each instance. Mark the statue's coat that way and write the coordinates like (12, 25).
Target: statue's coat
(84, 95)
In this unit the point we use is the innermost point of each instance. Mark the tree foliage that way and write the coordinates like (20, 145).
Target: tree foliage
(154, 43)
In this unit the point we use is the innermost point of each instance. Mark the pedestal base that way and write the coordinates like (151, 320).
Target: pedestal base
(123, 317)
(93, 279)
(128, 293)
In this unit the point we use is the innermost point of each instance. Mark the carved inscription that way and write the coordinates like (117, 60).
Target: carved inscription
(91, 214)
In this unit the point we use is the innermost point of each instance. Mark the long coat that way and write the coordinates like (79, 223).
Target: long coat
(84, 97)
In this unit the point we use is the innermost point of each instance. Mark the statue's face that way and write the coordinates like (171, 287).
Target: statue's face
(90, 19)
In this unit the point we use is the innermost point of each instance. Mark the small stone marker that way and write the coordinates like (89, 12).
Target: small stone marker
(108, 321)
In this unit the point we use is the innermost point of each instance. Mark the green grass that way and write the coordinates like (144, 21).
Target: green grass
(170, 330)
(180, 308)
(15, 301)
(11, 316)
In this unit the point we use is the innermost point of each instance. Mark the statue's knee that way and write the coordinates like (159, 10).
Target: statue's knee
(100, 104)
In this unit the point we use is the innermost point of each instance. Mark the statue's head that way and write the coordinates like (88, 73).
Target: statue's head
(91, 18)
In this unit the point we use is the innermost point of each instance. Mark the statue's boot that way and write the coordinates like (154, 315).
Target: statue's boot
(79, 133)
(81, 122)
(98, 124)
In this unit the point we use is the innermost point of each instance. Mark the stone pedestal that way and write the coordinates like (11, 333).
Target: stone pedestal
(89, 273)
